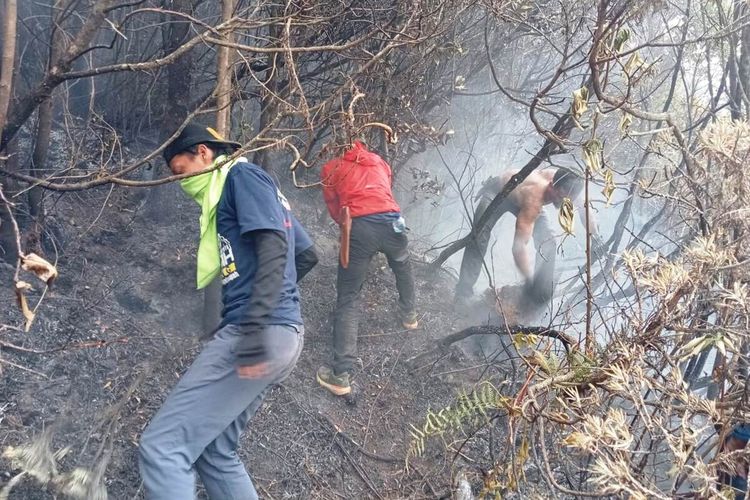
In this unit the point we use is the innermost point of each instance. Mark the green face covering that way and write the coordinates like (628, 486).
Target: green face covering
(206, 190)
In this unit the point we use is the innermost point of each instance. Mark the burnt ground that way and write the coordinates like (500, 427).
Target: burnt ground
(121, 324)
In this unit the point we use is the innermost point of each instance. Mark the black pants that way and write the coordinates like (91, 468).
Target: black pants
(367, 239)
(542, 285)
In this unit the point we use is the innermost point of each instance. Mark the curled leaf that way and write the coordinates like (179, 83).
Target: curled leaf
(721, 346)
(634, 62)
(521, 340)
(39, 266)
(592, 154)
(565, 216)
(580, 105)
(625, 121)
(609, 186)
(28, 314)
(692, 348)
(623, 35)
(5, 492)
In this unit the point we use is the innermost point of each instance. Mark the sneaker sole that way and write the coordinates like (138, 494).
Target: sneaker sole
(336, 389)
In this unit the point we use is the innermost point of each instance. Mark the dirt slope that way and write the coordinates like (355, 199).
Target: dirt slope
(120, 326)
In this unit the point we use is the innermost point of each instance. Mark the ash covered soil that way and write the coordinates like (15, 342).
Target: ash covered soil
(122, 322)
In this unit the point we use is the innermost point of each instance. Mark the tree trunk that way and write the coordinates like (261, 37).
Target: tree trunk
(224, 79)
(212, 294)
(38, 162)
(7, 61)
(267, 112)
(176, 32)
(9, 11)
(8, 248)
(41, 145)
(743, 73)
(271, 77)
(26, 105)
(734, 90)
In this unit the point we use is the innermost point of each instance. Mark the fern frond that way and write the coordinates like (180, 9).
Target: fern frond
(471, 408)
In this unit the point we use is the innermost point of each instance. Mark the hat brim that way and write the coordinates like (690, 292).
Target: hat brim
(236, 145)
(176, 148)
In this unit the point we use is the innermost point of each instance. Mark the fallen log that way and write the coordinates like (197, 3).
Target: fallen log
(442, 346)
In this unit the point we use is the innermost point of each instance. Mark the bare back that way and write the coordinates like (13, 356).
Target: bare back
(529, 196)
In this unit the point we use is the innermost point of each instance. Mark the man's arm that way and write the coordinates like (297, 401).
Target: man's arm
(329, 190)
(524, 230)
(305, 261)
(270, 250)
(305, 256)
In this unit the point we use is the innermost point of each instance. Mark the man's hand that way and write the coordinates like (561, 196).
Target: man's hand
(530, 291)
(254, 371)
(252, 358)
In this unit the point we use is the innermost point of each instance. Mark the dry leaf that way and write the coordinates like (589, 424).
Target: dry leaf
(609, 186)
(39, 266)
(634, 62)
(541, 361)
(625, 121)
(21, 287)
(621, 39)
(592, 154)
(580, 105)
(565, 216)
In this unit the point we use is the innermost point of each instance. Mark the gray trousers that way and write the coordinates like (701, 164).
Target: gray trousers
(199, 425)
(367, 239)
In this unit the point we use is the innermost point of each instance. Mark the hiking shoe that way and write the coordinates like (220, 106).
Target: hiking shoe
(337, 384)
(409, 320)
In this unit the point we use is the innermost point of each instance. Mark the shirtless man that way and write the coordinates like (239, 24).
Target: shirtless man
(526, 203)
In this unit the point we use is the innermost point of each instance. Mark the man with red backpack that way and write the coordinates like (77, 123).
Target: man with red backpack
(357, 191)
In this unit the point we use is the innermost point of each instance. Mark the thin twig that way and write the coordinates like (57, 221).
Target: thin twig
(10, 363)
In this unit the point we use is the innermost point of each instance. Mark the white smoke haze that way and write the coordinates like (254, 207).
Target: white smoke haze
(492, 134)
(490, 138)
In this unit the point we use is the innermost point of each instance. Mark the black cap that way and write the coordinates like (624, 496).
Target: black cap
(193, 134)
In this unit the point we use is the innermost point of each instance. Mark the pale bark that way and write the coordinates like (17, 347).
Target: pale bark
(10, 17)
(212, 294)
(224, 78)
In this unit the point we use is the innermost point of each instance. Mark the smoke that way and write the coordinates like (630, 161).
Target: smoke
(491, 137)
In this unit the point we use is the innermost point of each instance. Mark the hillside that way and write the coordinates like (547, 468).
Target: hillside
(122, 322)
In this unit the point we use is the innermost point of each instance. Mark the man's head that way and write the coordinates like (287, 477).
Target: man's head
(195, 149)
(566, 184)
